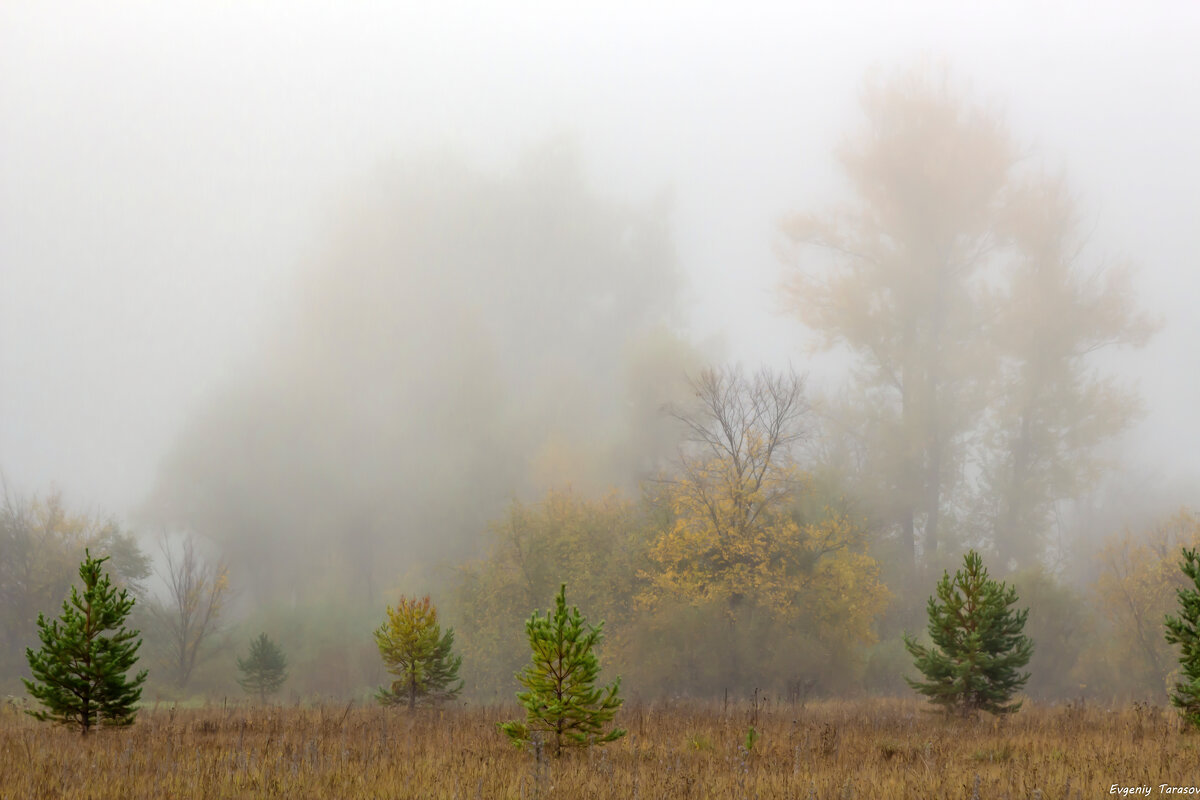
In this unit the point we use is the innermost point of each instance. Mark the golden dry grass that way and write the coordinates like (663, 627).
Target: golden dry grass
(872, 748)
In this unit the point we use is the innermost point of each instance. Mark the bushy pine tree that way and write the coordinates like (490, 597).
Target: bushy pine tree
(1184, 631)
(418, 654)
(978, 648)
(79, 674)
(561, 700)
(264, 669)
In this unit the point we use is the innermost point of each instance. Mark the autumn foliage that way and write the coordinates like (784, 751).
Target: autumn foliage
(418, 654)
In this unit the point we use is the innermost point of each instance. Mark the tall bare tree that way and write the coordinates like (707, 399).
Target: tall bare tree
(196, 592)
(741, 435)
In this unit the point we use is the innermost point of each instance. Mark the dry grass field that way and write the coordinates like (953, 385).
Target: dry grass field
(867, 749)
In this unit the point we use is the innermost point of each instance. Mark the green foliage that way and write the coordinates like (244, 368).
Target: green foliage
(561, 700)
(978, 645)
(596, 544)
(321, 633)
(79, 674)
(1062, 624)
(42, 541)
(663, 640)
(265, 668)
(418, 654)
(885, 664)
(1184, 631)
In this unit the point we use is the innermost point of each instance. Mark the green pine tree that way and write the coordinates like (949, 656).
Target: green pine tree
(79, 674)
(1184, 631)
(265, 668)
(978, 648)
(561, 699)
(418, 654)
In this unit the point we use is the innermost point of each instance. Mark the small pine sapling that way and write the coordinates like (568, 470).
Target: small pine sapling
(1184, 631)
(978, 647)
(418, 654)
(264, 669)
(560, 699)
(79, 675)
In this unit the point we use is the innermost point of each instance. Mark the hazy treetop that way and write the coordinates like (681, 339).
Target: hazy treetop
(167, 170)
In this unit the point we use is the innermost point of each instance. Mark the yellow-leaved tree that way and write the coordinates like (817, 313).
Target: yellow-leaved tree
(1137, 589)
(748, 538)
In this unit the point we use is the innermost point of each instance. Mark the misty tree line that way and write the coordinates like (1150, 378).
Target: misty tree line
(42, 543)
(465, 339)
(798, 620)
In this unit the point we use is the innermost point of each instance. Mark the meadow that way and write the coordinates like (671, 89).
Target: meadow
(833, 749)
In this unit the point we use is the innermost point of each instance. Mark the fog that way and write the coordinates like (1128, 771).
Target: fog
(166, 170)
(201, 206)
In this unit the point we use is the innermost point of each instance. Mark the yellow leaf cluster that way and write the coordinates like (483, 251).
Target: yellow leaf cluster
(737, 541)
(1137, 587)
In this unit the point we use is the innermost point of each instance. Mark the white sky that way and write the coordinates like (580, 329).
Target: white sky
(165, 167)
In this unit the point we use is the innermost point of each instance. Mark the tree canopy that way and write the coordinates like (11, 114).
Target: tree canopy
(416, 385)
(959, 279)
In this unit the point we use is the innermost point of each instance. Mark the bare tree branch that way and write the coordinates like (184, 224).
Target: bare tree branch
(196, 594)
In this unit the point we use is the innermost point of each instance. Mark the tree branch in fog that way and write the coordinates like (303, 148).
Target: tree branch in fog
(197, 590)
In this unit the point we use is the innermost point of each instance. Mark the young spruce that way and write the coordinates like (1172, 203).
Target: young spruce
(978, 648)
(418, 654)
(264, 669)
(561, 700)
(79, 673)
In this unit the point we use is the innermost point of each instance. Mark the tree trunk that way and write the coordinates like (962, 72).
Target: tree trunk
(933, 498)
(85, 714)
(933, 433)
(1006, 532)
(908, 537)
(735, 662)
